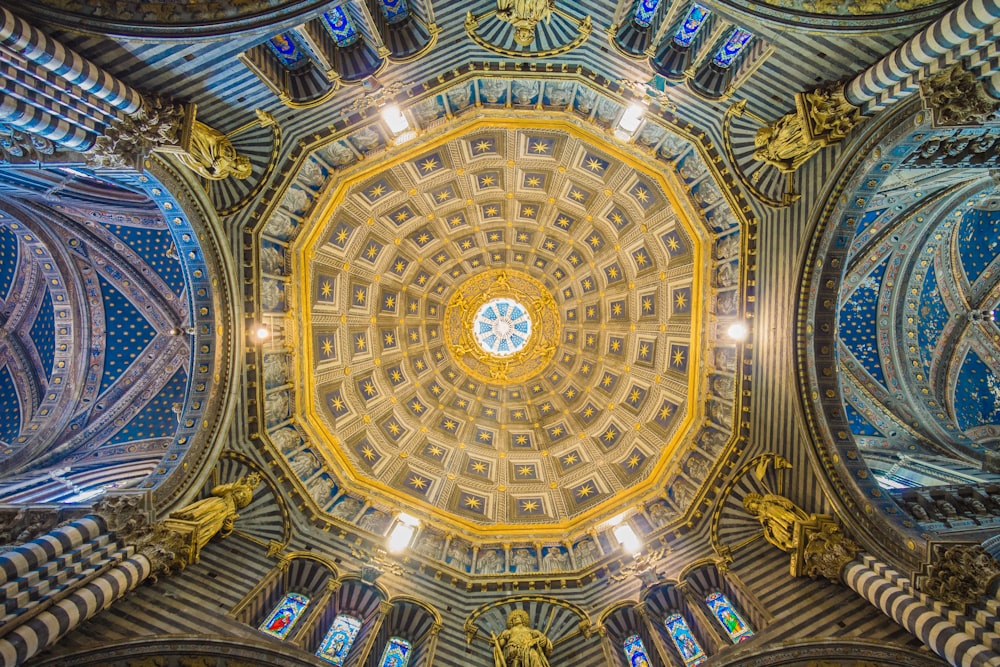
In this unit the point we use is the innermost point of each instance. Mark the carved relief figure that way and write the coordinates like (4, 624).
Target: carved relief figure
(524, 562)
(520, 645)
(490, 562)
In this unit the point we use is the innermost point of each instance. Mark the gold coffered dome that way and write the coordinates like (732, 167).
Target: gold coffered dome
(501, 327)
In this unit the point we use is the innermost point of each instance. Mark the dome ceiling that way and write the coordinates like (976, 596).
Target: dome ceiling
(380, 264)
(395, 276)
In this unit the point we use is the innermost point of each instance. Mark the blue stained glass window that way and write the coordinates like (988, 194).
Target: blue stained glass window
(733, 47)
(684, 640)
(695, 18)
(395, 10)
(340, 25)
(285, 48)
(396, 653)
(281, 621)
(339, 639)
(644, 10)
(723, 609)
(635, 652)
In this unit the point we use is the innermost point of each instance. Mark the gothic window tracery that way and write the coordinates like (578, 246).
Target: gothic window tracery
(684, 640)
(635, 651)
(339, 639)
(285, 615)
(730, 619)
(396, 653)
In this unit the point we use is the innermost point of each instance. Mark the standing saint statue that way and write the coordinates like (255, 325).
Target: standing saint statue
(524, 15)
(519, 645)
(218, 513)
(778, 515)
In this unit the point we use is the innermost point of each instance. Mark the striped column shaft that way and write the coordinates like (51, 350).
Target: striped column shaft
(57, 104)
(21, 38)
(992, 86)
(49, 626)
(51, 85)
(36, 120)
(923, 48)
(979, 53)
(919, 618)
(28, 556)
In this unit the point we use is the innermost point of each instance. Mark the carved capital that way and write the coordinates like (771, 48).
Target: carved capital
(956, 97)
(158, 124)
(167, 549)
(827, 551)
(961, 575)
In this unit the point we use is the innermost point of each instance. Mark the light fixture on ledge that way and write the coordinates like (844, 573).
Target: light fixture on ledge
(397, 123)
(630, 121)
(738, 331)
(261, 333)
(401, 533)
(627, 538)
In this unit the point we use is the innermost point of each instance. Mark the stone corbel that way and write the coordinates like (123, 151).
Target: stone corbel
(824, 550)
(962, 575)
(956, 97)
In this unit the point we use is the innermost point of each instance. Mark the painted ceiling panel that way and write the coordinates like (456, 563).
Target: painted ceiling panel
(43, 333)
(128, 333)
(978, 241)
(977, 394)
(156, 248)
(933, 316)
(156, 420)
(857, 326)
(10, 407)
(859, 424)
(8, 260)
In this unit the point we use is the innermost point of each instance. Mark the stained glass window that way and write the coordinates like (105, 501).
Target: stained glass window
(280, 621)
(695, 18)
(502, 326)
(733, 47)
(340, 25)
(284, 47)
(723, 609)
(635, 652)
(339, 639)
(394, 10)
(644, 10)
(396, 653)
(684, 640)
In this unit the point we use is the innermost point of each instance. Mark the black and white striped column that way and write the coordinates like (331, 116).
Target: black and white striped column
(959, 639)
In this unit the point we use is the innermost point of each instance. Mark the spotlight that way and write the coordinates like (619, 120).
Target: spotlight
(262, 333)
(737, 331)
(627, 538)
(401, 533)
(394, 118)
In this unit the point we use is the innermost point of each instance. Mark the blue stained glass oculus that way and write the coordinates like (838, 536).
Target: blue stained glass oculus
(394, 10)
(684, 640)
(737, 629)
(285, 615)
(733, 47)
(502, 326)
(635, 651)
(339, 639)
(341, 26)
(396, 653)
(644, 10)
(695, 18)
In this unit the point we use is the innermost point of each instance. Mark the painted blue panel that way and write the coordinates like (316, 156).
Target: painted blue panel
(867, 219)
(286, 50)
(156, 419)
(153, 245)
(733, 47)
(43, 333)
(10, 409)
(695, 18)
(8, 260)
(859, 424)
(977, 394)
(128, 333)
(644, 11)
(857, 326)
(933, 317)
(394, 11)
(340, 25)
(978, 241)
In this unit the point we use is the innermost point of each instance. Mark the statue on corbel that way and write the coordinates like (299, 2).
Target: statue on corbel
(168, 127)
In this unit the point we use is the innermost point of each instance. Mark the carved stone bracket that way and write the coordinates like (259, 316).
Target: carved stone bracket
(956, 97)
(168, 550)
(962, 575)
(129, 139)
(827, 550)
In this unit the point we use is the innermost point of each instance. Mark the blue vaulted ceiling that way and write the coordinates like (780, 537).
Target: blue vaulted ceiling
(108, 377)
(917, 346)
